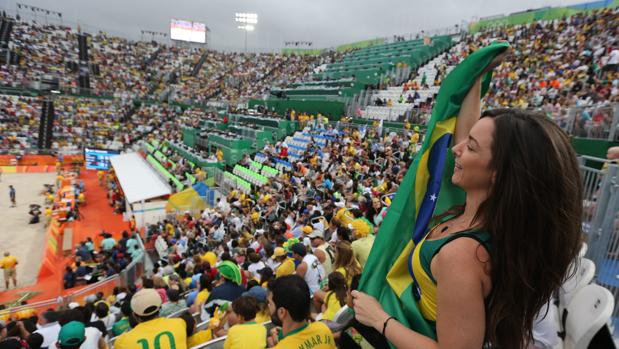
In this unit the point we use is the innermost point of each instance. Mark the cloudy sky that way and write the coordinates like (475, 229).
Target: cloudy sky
(326, 23)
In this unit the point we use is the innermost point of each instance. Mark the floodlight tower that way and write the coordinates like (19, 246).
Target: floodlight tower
(247, 22)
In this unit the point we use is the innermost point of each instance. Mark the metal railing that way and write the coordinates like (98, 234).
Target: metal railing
(126, 277)
(217, 173)
(135, 269)
(600, 221)
(63, 301)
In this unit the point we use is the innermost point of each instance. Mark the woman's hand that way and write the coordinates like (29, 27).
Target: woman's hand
(368, 311)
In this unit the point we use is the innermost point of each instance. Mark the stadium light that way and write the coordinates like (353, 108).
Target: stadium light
(247, 21)
(247, 27)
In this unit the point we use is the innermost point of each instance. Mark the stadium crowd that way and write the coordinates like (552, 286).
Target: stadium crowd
(554, 65)
(558, 63)
(40, 50)
(317, 221)
(290, 251)
(79, 122)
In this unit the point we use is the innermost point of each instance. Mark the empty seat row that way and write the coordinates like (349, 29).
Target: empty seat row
(249, 175)
(237, 183)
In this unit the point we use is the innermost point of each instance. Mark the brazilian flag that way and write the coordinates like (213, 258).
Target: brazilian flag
(426, 190)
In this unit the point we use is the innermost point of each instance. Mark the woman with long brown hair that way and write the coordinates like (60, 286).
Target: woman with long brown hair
(486, 269)
(345, 262)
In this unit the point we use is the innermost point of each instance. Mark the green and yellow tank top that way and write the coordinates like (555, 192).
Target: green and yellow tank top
(419, 265)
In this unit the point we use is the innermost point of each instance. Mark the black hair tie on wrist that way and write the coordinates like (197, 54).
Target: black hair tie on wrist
(385, 324)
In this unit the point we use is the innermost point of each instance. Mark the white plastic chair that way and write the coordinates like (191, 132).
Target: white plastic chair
(582, 277)
(583, 250)
(590, 310)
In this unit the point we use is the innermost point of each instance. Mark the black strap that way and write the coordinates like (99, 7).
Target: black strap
(466, 234)
(562, 333)
(329, 250)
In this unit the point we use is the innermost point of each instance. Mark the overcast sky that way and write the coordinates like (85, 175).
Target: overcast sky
(326, 23)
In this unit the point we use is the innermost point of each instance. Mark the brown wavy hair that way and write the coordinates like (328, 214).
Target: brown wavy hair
(533, 213)
(344, 258)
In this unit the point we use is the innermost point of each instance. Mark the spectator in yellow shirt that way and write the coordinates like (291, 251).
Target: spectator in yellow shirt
(132, 224)
(9, 266)
(286, 266)
(245, 333)
(152, 331)
(100, 176)
(260, 294)
(205, 291)
(194, 337)
(289, 304)
(81, 198)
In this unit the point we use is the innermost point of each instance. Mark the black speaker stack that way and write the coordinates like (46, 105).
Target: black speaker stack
(46, 125)
(6, 27)
(83, 79)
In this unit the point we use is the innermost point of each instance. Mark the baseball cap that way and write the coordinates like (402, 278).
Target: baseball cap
(317, 233)
(258, 292)
(146, 302)
(278, 252)
(72, 333)
(307, 229)
(210, 257)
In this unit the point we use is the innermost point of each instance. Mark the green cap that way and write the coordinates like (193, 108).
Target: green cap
(72, 333)
(230, 271)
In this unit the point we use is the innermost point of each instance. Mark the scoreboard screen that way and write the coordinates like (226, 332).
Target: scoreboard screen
(98, 159)
(188, 31)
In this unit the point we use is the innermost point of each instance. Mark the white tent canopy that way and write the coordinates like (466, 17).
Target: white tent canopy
(138, 179)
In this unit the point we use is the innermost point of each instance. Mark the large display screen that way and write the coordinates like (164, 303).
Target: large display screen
(98, 159)
(187, 31)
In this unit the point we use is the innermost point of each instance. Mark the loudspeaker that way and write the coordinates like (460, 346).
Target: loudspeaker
(46, 125)
(84, 81)
(5, 32)
(14, 58)
(82, 44)
(94, 70)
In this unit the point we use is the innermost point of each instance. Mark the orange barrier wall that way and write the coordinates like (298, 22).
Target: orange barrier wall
(34, 160)
(52, 256)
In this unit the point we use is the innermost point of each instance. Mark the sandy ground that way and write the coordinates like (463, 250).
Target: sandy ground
(24, 241)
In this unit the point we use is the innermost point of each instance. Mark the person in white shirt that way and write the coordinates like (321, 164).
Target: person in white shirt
(49, 328)
(102, 312)
(613, 60)
(545, 330)
(310, 269)
(256, 265)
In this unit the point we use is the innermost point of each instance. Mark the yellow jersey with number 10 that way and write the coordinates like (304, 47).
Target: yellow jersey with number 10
(159, 333)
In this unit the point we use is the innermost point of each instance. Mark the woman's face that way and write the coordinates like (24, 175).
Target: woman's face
(472, 158)
(376, 204)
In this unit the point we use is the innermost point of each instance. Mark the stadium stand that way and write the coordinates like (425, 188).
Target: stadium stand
(291, 187)
(551, 68)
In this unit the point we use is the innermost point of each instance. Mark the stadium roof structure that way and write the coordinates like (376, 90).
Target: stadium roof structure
(138, 179)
